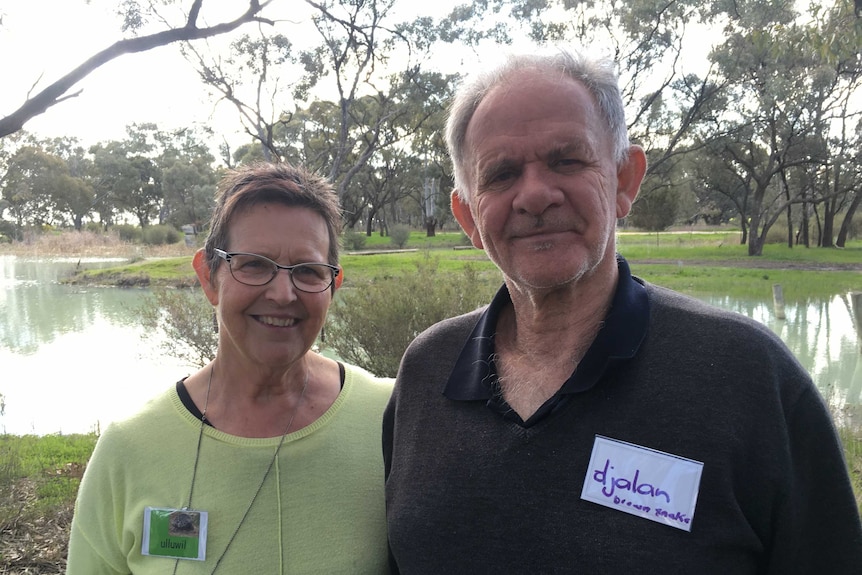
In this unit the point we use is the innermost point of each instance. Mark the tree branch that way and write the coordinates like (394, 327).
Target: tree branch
(57, 92)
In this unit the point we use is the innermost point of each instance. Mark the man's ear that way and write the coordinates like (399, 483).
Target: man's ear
(462, 213)
(202, 269)
(629, 178)
(339, 279)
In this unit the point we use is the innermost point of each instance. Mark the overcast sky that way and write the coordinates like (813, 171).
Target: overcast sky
(49, 38)
(41, 40)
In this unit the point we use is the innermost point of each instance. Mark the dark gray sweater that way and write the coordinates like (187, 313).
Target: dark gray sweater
(470, 492)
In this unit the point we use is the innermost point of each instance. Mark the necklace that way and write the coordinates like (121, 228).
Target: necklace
(265, 475)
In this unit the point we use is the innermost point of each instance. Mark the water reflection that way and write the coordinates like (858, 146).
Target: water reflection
(821, 335)
(37, 309)
(73, 359)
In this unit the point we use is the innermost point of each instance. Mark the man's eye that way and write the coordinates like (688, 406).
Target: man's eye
(567, 163)
(500, 177)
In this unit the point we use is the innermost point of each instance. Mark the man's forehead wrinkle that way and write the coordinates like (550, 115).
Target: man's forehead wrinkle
(583, 145)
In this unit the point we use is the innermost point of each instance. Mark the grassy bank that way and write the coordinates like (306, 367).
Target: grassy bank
(39, 477)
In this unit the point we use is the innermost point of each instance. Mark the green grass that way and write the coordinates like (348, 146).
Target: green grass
(853, 452)
(155, 269)
(384, 266)
(725, 247)
(797, 285)
(418, 240)
(142, 272)
(53, 463)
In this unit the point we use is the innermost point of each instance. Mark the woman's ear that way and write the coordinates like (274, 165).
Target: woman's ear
(202, 269)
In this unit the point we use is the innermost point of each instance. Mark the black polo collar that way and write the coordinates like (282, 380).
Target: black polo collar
(624, 328)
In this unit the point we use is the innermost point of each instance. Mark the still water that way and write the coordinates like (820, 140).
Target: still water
(74, 358)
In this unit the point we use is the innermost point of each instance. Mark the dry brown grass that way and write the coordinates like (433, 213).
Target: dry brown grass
(89, 244)
(31, 542)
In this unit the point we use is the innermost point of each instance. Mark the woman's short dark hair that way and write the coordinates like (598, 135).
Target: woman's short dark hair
(282, 183)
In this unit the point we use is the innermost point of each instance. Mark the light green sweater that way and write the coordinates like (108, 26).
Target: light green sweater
(321, 509)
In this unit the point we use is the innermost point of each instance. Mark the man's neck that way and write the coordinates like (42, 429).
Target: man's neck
(541, 338)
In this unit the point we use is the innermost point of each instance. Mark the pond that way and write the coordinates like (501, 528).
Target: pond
(74, 358)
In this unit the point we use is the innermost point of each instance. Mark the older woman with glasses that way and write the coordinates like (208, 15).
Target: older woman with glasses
(267, 460)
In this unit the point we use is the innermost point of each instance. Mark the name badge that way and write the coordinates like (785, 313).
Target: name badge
(651, 484)
(175, 533)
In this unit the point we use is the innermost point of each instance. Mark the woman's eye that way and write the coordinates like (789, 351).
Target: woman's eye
(255, 263)
(308, 271)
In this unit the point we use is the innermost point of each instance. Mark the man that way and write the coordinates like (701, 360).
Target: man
(587, 421)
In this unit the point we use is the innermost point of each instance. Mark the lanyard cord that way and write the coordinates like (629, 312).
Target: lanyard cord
(263, 479)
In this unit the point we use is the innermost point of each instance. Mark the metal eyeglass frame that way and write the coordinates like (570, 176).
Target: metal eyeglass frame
(227, 256)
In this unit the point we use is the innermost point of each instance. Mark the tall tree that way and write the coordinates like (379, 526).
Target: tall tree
(33, 177)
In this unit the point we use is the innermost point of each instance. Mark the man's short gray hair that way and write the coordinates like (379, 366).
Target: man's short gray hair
(597, 74)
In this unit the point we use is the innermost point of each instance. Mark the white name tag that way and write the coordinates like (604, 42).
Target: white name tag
(642, 481)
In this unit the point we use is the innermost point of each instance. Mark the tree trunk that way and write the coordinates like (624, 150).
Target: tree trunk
(848, 220)
(790, 226)
(826, 240)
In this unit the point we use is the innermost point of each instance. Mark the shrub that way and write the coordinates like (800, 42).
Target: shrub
(399, 234)
(372, 326)
(8, 229)
(353, 240)
(185, 317)
(160, 235)
(128, 233)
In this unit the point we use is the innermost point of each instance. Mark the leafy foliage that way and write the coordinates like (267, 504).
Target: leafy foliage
(399, 234)
(185, 319)
(372, 326)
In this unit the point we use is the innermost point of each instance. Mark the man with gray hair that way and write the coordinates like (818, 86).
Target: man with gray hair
(587, 421)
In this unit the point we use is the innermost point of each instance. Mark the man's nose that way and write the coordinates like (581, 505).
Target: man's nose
(537, 190)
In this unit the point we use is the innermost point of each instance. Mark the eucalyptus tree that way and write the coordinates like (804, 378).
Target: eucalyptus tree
(127, 181)
(183, 24)
(722, 191)
(835, 37)
(385, 128)
(327, 89)
(188, 179)
(73, 199)
(776, 125)
(33, 177)
(251, 78)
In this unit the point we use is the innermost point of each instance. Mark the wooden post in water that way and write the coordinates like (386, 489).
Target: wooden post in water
(778, 300)
(856, 307)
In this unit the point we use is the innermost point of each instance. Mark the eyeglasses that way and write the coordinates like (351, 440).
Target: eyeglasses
(255, 270)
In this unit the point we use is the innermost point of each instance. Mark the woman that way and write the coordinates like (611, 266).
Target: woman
(267, 460)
